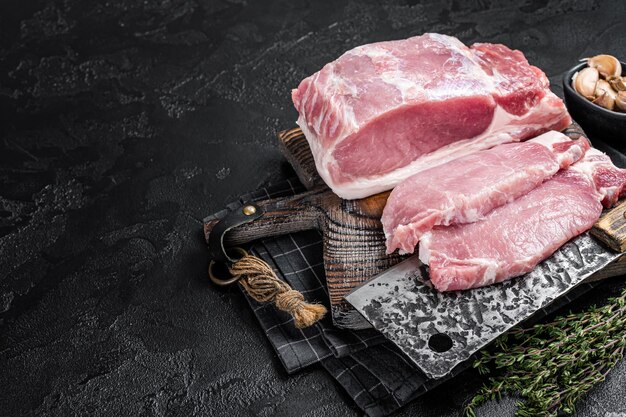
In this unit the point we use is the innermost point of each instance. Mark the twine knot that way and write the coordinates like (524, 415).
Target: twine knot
(262, 284)
(289, 301)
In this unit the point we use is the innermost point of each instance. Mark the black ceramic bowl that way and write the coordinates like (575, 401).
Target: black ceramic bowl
(597, 122)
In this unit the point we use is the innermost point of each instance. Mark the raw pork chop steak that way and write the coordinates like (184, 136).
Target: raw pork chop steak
(514, 238)
(466, 189)
(384, 111)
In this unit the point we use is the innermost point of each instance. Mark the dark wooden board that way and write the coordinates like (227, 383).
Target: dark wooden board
(354, 243)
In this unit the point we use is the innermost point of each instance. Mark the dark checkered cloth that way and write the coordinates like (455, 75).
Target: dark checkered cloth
(374, 373)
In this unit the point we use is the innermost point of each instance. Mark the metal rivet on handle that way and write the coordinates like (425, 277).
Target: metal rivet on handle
(249, 210)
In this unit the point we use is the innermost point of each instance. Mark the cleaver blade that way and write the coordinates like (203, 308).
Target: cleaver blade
(402, 304)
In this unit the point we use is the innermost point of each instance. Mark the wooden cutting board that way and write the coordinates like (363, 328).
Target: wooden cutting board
(354, 243)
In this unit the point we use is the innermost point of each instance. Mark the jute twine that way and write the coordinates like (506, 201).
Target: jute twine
(262, 284)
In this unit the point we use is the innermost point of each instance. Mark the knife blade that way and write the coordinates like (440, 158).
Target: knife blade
(438, 331)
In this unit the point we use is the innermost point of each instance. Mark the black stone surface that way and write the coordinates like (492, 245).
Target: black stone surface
(125, 122)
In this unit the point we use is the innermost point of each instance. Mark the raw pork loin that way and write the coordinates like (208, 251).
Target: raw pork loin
(514, 238)
(466, 189)
(384, 111)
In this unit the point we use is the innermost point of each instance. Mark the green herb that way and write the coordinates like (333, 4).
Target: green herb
(552, 365)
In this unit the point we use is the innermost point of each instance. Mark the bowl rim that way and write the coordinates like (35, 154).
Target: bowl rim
(567, 85)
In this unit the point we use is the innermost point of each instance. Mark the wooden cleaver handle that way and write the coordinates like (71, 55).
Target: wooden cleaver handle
(611, 228)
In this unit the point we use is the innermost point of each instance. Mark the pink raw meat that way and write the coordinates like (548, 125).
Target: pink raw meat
(384, 111)
(466, 189)
(514, 238)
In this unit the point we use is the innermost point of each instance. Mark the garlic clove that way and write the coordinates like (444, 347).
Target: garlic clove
(585, 82)
(618, 83)
(604, 87)
(620, 101)
(605, 101)
(605, 95)
(607, 65)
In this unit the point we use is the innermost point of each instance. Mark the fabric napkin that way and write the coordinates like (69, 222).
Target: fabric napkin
(297, 259)
(374, 373)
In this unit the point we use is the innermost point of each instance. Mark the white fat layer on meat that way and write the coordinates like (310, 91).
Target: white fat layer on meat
(501, 130)
(464, 216)
(411, 90)
(424, 248)
(490, 273)
(407, 88)
(551, 138)
(589, 163)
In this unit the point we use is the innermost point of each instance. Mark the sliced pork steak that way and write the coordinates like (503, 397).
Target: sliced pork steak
(384, 111)
(515, 237)
(466, 189)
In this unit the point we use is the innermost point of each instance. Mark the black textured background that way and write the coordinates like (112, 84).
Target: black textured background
(123, 123)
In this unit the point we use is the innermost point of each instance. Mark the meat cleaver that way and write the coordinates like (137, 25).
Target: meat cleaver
(438, 331)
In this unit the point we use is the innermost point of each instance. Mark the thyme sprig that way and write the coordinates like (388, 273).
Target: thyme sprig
(552, 365)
